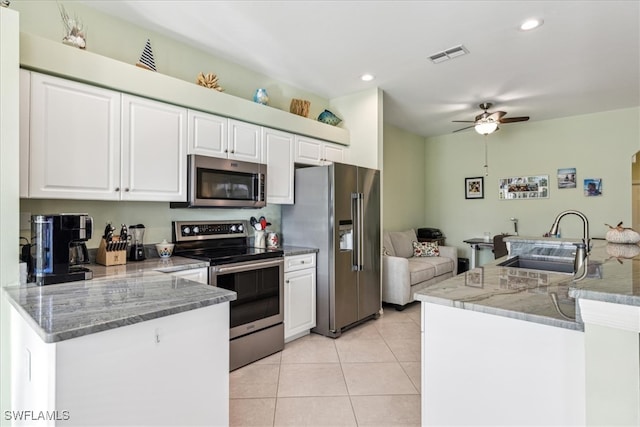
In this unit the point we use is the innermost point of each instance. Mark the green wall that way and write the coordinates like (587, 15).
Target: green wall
(403, 182)
(598, 145)
(117, 39)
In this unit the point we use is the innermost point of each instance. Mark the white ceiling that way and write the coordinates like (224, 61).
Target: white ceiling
(584, 59)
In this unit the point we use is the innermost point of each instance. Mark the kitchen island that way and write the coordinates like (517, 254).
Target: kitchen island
(515, 346)
(131, 348)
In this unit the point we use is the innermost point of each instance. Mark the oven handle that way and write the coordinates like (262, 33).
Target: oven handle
(245, 266)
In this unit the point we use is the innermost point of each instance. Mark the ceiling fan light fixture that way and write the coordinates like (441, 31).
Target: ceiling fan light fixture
(486, 127)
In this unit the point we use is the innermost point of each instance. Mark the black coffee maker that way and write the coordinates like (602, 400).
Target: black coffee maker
(55, 241)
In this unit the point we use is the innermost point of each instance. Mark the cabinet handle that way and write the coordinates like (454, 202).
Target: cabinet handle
(226, 151)
(302, 262)
(286, 281)
(126, 189)
(117, 188)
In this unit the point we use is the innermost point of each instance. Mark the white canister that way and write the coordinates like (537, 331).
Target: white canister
(272, 240)
(259, 240)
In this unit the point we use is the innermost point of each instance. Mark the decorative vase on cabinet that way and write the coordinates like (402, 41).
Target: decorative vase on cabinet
(261, 96)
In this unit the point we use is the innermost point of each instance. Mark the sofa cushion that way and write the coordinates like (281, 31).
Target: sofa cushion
(441, 265)
(421, 249)
(420, 272)
(402, 242)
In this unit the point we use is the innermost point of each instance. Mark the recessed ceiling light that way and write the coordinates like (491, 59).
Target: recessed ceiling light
(367, 77)
(531, 24)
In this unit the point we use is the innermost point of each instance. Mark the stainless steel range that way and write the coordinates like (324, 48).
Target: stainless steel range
(255, 274)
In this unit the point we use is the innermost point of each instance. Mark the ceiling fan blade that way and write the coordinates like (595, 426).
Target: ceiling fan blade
(462, 121)
(468, 127)
(496, 116)
(514, 119)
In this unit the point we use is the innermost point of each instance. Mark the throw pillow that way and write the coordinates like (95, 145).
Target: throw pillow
(425, 249)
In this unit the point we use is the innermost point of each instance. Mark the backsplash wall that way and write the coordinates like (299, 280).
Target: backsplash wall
(156, 216)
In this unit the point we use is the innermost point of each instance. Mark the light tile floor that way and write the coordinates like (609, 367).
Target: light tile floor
(370, 376)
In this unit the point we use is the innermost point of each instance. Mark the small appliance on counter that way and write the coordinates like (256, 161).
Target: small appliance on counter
(136, 251)
(56, 249)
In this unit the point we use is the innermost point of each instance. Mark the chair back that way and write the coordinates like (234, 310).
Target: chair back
(499, 245)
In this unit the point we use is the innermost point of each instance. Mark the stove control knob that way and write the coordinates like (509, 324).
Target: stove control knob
(196, 230)
(233, 228)
(240, 228)
(186, 230)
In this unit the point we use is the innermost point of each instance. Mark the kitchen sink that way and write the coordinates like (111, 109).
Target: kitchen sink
(538, 264)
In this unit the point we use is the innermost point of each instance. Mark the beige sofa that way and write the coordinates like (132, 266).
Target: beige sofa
(403, 274)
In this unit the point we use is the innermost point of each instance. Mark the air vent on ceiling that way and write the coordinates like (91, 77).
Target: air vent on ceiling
(450, 53)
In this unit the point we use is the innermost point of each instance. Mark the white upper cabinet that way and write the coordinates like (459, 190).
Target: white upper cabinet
(74, 140)
(154, 155)
(312, 151)
(207, 134)
(90, 143)
(278, 153)
(244, 141)
(25, 103)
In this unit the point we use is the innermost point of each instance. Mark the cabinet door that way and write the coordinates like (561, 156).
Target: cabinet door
(207, 134)
(154, 158)
(244, 141)
(332, 154)
(25, 103)
(299, 303)
(308, 151)
(196, 274)
(278, 155)
(74, 140)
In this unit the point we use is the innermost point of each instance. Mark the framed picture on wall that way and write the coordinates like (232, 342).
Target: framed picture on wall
(474, 188)
(593, 187)
(524, 187)
(567, 178)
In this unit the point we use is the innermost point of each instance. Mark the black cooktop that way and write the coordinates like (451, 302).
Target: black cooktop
(229, 255)
(217, 242)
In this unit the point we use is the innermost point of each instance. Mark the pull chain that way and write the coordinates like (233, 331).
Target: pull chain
(486, 157)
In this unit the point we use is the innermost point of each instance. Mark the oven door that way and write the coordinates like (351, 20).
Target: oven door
(259, 286)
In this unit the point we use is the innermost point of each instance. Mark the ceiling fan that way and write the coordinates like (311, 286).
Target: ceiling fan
(487, 122)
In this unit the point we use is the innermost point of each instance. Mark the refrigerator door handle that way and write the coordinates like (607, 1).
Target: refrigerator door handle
(358, 230)
(355, 253)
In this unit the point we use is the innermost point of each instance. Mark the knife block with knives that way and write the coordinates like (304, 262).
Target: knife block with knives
(112, 249)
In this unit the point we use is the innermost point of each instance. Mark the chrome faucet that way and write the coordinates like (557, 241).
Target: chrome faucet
(582, 249)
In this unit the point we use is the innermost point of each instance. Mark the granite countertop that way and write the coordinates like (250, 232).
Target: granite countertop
(539, 296)
(297, 250)
(117, 296)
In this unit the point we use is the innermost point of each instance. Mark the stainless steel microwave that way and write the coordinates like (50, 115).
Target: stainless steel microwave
(222, 183)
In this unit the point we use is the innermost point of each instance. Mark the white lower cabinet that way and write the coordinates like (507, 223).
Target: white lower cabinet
(172, 370)
(196, 274)
(299, 295)
(278, 150)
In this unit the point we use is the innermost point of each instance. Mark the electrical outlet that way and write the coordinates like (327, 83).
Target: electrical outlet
(25, 220)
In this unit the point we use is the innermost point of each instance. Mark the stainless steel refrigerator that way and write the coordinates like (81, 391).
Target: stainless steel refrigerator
(337, 210)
